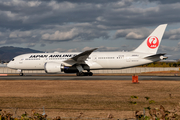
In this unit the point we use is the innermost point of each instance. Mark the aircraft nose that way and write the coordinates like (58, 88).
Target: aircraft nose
(10, 65)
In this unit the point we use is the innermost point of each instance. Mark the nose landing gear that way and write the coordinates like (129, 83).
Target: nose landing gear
(20, 72)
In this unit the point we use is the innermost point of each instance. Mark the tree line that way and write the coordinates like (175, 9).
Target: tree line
(162, 64)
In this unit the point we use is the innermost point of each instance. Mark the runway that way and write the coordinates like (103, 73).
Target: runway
(57, 77)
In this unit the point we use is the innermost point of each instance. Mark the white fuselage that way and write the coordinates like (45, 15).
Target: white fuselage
(97, 60)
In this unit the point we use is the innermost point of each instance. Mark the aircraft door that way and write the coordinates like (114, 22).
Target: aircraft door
(94, 58)
(128, 59)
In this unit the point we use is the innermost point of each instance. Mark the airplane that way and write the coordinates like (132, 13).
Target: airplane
(82, 63)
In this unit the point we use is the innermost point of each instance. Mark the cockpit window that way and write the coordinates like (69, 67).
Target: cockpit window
(12, 60)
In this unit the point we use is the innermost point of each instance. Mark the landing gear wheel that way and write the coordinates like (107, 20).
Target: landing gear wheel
(21, 74)
(80, 74)
(90, 73)
(84, 74)
(77, 74)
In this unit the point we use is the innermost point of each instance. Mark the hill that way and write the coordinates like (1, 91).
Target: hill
(9, 52)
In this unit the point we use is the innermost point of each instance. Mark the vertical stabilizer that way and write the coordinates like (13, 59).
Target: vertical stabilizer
(152, 42)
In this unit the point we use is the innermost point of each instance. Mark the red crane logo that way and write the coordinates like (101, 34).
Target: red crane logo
(152, 42)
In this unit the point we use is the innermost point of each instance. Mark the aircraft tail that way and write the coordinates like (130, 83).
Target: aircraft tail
(152, 42)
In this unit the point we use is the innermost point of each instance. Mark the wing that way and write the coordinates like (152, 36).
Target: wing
(80, 58)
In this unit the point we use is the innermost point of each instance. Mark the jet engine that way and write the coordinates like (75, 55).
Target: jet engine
(52, 68)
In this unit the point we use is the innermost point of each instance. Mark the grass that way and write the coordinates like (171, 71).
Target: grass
(94, 98)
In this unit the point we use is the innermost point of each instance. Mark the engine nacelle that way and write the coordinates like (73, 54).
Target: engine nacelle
(51, 67)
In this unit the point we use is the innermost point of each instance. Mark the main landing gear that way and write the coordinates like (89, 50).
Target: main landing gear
(84, 74)
(81, 73)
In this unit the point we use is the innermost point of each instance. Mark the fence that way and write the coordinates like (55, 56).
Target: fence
(6, 70)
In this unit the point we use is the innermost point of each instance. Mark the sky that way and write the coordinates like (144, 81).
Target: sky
(79, 25)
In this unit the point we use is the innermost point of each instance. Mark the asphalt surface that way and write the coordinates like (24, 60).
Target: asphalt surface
(56, 77)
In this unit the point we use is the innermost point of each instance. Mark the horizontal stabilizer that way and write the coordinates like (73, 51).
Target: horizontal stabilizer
(156, 56)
